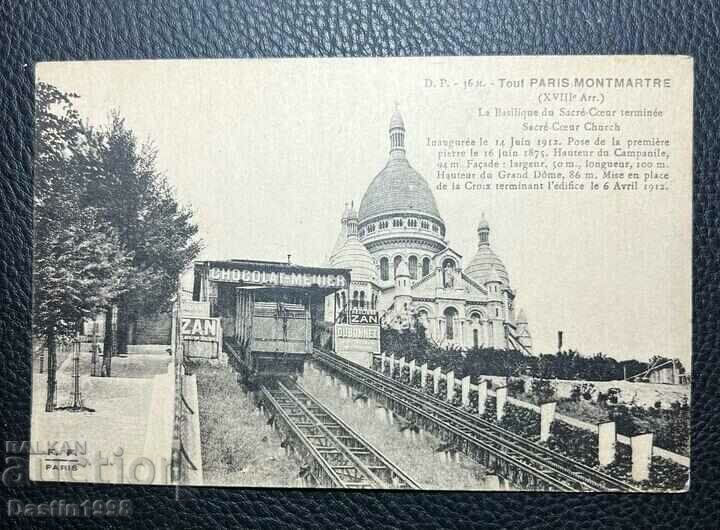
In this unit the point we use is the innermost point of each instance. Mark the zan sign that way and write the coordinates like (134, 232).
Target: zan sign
(200, 328)
(363, 318)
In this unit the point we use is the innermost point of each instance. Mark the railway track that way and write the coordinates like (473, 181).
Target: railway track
(334, 455)
(521, 461)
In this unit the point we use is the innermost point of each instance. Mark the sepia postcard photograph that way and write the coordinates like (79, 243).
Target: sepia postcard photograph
(437, 273)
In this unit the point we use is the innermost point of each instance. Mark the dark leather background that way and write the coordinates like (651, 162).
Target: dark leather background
(124, 29)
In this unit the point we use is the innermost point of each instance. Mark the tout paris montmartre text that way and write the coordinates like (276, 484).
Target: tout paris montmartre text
(586, 82)
(549, 83)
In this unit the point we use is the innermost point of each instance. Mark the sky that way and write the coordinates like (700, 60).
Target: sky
(267, 152)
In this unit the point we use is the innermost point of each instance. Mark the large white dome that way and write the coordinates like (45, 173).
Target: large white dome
(398, 187)
(353, 255)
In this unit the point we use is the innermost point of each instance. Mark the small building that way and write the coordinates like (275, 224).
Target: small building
(265, 310)
(663, 371)
(669, 373)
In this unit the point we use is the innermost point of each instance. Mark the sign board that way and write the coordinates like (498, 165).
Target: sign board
(357, 340)
(272, 278)
(200, 329)
(363, 317)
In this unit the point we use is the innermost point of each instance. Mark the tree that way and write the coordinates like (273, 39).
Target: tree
(78, 263)
(153, 228)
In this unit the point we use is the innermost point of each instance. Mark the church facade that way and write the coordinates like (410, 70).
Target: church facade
(403, 268)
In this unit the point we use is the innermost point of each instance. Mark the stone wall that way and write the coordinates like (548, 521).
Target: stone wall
(640, 394)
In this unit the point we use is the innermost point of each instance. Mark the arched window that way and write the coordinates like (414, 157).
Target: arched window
(412, 223)
(337, 300)
(422, 318)
(476, 339)
(450, 314)
(424, 225)
(397, 223)
(384, 269)
(344, 301)
(355, 299)
(425, 267)
(396, 262)
(362, 299)
(412, 265)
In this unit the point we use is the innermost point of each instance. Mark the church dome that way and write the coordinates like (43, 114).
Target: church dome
(339, 243)
(398, 188)
(484, 265)
(353, 255)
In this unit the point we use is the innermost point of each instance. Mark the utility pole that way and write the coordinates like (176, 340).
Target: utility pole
(77, 405)
(94, 349)
(76, 375)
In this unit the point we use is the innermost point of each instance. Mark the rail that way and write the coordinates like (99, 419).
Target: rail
(521, 461)
(333, 454)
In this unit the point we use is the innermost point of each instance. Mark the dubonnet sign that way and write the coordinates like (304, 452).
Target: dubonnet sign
(357, 342)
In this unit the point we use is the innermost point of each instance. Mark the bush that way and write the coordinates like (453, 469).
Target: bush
(543, 390)
(506, 363)
(516, 387)
(613, 395)
(575, 393)
(582, 391)
(624, 421)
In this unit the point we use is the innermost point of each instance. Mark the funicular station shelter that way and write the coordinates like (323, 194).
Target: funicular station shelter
(265, 311)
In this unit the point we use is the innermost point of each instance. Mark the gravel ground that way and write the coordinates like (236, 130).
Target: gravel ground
(416, 456)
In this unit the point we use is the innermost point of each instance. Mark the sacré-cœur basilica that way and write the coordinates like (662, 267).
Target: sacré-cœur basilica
(403, 268)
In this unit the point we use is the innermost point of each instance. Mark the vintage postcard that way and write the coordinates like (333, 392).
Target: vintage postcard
(447, 273)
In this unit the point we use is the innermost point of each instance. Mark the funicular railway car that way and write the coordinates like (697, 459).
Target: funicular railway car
(267, 310)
